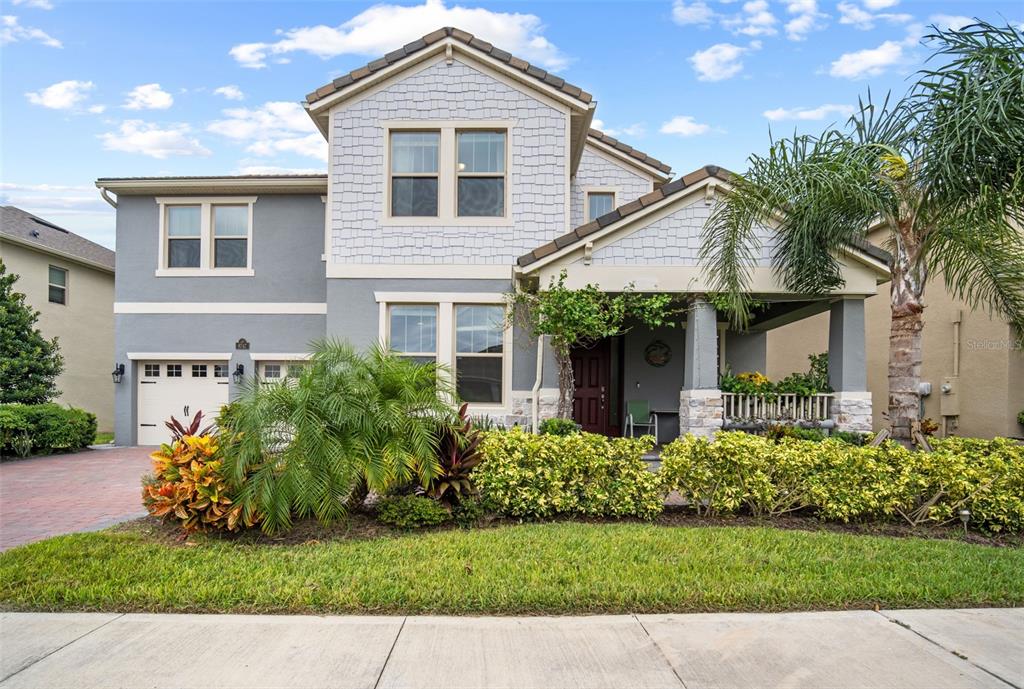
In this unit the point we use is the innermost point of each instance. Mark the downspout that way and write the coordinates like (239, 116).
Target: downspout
(106, 197)
(534, 401)
(957, 317)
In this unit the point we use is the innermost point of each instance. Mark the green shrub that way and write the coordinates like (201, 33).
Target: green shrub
(44, 428)
(542, 476)
(1020, 417)
(411, 512)
(852, 437)
(557, 426)
(844, 482)
(468, 512)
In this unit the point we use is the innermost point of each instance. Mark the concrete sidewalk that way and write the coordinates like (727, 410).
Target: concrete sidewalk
(930, 649)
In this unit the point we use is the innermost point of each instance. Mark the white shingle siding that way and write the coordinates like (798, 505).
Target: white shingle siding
(537, 170)
(672, 240)
(596, 170)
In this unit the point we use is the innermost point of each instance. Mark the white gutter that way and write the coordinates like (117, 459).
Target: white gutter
(106, 197)
(534, 401)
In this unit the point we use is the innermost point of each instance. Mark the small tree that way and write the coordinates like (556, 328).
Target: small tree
(580, 318)
(29, 363)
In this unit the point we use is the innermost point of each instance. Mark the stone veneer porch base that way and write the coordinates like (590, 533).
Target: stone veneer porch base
(700, 411)
(851, 411)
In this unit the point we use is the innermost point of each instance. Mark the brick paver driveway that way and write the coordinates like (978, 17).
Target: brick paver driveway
(48, 496)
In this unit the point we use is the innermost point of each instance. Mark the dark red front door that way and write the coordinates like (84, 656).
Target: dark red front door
(591, 371)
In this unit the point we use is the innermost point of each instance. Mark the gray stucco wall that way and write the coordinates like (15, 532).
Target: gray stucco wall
(596, 170)
(167, 333)
(537, 170)
(672, 240)
(288, 240)
(659, 385)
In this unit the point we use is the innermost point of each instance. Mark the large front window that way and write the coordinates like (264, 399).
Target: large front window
(414, 173)
(481, 174)
(206, 236)
(412, 331)
(479, 352)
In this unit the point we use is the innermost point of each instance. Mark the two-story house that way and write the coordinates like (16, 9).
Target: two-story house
(456, 172)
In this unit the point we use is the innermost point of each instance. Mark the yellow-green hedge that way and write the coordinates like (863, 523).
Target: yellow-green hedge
(842, 482)
(540, 476)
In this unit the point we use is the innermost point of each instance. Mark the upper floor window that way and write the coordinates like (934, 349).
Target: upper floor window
(442, 172)
(414, 173)
(205, 236)
(481, 174)
(599, 203)
(58, 283)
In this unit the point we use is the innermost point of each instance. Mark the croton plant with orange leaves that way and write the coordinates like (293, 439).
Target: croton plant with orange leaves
(188, 486)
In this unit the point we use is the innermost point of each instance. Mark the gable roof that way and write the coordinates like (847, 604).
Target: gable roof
(629, 151)
(24, 228)
(433, 37)
(673, 188)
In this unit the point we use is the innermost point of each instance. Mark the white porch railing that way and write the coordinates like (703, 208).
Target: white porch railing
(776, 408)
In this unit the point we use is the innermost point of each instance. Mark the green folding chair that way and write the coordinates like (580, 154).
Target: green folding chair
(639, 415)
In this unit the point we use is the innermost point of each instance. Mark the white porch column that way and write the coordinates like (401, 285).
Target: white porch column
(700, 400)
(847, 366)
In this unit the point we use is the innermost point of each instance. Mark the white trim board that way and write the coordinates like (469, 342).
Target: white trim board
(182, 356)
(440, 297)
(173, 307)
(279, 356)
(479, 271)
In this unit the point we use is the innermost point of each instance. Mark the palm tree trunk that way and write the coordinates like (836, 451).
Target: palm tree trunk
(907, 289)
(566, 382)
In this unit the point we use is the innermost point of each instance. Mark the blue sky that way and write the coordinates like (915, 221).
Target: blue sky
(184, 88)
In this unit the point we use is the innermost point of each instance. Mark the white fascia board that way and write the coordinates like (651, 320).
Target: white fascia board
(183, 356)
(228, 308)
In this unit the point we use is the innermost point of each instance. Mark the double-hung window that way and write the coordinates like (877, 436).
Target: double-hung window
(58, 285)
(414, 173)
(479, 352)
(412, 331)
(480, 170)
(205, 236)
(599, 203)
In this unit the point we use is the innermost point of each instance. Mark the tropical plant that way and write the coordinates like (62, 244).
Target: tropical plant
(581, 318)
(29, 363)
(179, 431)
(350, 421)
(411, 512)
(940, 169)
(189, 485)
(458, 453)
(557, 426)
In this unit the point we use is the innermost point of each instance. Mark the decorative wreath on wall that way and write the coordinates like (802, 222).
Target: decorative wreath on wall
(657, 354)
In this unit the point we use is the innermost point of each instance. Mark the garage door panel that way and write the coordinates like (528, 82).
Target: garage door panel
(178, 389)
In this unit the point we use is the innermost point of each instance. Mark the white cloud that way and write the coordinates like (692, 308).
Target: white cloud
(818, 113)
(382, 28)
(96, 109)
(77, 207)
(274, 127)
(64, 95)
(880, 4)
(869, 62)
(806, 18)
(156, 141)
(684, 125)
(859, 18)
(720, 61)
(11, 31)
(148, 97)
(684, 13)
(755, 20)
(37, 4)
(231, 92)
(636, 129)
(950, 21)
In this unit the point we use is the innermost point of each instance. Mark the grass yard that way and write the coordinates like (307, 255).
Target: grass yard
(562, 567)
(103, 438)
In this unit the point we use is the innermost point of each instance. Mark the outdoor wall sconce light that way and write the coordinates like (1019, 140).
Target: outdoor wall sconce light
(239, 374)
(117, 374)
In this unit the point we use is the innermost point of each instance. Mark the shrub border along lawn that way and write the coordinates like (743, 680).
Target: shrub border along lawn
(545, 568)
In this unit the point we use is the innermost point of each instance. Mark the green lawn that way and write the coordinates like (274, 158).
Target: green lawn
(103, 438)
(538, 568)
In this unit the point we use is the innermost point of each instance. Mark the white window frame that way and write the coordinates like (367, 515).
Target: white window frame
(446, 303)
(414, 219)
(505, 349)
(206, 237)
(66, 286)
(447, 172)
(459, 174)
(437, 334)
(587, 191)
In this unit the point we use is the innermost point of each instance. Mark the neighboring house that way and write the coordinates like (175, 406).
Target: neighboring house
(456, 172)
(70, 281)
(972, 368)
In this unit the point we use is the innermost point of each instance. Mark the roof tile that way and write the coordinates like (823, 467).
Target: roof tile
(629, 150)
(23, 226)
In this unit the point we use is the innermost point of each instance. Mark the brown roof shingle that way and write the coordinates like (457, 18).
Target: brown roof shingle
(22, 225)
(463, 37)
(628, 150)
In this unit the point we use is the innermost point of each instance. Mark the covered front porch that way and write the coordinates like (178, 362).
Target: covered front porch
(667, 379)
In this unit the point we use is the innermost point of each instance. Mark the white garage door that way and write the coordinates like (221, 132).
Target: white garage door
(178, 389)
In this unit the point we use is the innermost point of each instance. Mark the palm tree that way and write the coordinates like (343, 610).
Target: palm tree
(940, 169)
(349, 422)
